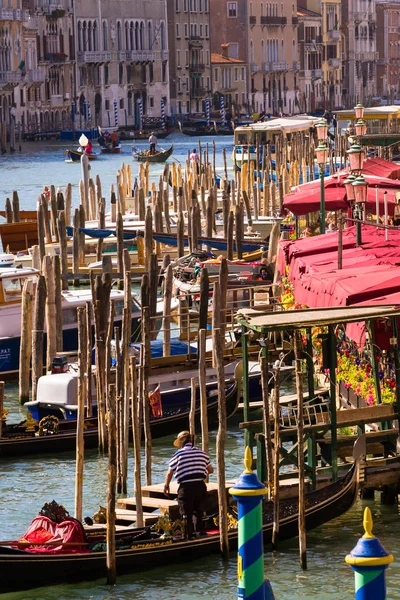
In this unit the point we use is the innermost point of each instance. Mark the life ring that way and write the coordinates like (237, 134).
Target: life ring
(49, 425)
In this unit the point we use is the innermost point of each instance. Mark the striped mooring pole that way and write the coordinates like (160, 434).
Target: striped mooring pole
(140, 107)
(369, 561)
(208, 111)
(248, 493)
(116, 121)
(162, 113)
(222, 107)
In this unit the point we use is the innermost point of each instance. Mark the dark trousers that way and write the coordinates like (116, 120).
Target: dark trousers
(191, 498)
(152, 148)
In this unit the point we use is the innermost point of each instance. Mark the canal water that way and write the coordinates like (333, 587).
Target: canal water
(27, 483)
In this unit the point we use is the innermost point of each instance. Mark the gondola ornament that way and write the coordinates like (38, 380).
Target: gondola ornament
(248, 493)
(369, 561)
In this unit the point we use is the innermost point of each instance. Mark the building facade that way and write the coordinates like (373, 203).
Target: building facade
(360, 56)
(190, 55)
(310, 49)
(122, 54)
(229, 81)
(388, 48)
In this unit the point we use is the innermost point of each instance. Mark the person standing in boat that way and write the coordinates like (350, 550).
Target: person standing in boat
(190, 466)
(195, 160)
(153, 141)
(89, 148)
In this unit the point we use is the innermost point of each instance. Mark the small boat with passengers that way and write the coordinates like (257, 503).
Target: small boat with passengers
(145, 155)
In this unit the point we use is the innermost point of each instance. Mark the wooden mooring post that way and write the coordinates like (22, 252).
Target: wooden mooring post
(112, 480)
(26, 341)
(300, 449)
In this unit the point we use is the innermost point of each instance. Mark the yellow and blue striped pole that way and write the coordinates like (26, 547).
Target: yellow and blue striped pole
(248, 493)
(369, 561)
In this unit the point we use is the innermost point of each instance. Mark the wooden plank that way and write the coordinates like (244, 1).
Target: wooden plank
(148, 502)
(369, 412)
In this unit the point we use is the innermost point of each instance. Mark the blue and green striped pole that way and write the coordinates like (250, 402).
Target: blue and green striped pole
(369, 561)
(248, 493)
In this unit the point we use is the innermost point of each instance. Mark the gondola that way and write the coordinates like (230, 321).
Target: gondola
(145, 548)
(205, 130)
(110, 149)
(76, 155)
(145, 156)
(22, 439)
(136, 134)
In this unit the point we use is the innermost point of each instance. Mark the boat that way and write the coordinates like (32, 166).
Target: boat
(140, 134)
(76, 155)
(145, 156)
(201, 130)
(264, 133)
(56, 429)
(109, 149)
(11, 285)
(24, 567)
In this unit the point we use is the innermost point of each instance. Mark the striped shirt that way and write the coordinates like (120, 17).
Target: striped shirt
(189, 464)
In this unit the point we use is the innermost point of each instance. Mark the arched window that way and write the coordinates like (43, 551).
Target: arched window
(162, 36)
(119, 35)
(251, 51)
(137, 35)
(85, 37)
(90, 45)
(132, 45)
(126, 35)
(141, 36)
(95, 37)
(150, 35)
(105, 35)
(80, 45)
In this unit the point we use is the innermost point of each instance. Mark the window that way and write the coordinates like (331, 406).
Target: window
(216, 75)
(177, 8)
(236, 74)
(119, 35)
(179, 84)
(121, 73)
(206, 27)
(206, 6)
(201, 30)
(187, 58)
(185, 5)
(178, 58)
(186, 31)
(207, 57)
(121, 103)
(178, 31)
(151, 73)
(232, 9)
(200, 5)
(105, 35)
(151, 102)
(208, 83)
(243, 74)
(164, 72)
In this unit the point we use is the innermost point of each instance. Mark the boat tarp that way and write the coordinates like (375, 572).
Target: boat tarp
(45, 533)
(101, 233)
(177, 348)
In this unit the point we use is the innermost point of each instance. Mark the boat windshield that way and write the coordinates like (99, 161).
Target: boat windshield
(13, 286)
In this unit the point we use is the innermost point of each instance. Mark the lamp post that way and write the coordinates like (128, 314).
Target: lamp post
(360, 187)
(321, 153)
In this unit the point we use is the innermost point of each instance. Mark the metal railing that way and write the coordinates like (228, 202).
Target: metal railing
(313, 414)
(94, 57)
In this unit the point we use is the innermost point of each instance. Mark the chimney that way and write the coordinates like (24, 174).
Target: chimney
(225, 50)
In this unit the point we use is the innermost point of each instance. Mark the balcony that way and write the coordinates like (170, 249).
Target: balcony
(35, 75)
(56, 57)
(273, 21)
(367, 56)
(295, 20)
(334, 35)
(310, 45)
(10, 78)
(278, 66)
(253, 68)
(197, 68)
(316, 73)
(20, 14)
(296, 65)
(199, 92)
(94, 57)
(361, 16)
(195, 41)
(252, 21)
(333, 63)
(130, 56)
(56, 101)
(6, 14)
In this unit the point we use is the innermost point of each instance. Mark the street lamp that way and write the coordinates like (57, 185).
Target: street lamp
(321, 153)
(348, 184)
(360, 187)
(360, 127)
(359, 111)
(356, 158)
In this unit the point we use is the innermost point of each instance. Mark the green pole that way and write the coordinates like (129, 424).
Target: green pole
(396, 361)
(357, 216)
(374, 362)
(310, 364)
(322, 203)
(245, 358)
(332, 377)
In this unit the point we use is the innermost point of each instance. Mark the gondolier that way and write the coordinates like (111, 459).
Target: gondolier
(190, 465)
(153, 143)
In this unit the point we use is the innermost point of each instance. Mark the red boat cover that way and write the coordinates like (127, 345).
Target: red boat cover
(43, 530)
